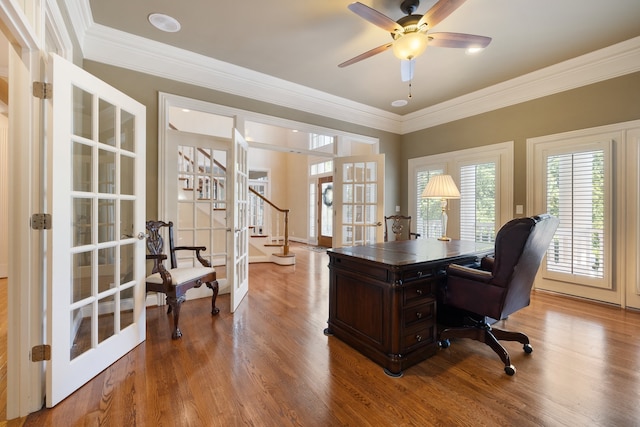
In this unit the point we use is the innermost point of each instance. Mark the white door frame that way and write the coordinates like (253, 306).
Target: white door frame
(25, 379)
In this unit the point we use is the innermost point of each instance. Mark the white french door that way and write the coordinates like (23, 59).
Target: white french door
(358, 200)
(96, 264)
(197, 191)
(239, 213)
(206, 184)
(632, 221)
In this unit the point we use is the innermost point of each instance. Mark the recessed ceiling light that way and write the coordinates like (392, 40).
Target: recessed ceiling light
(399, 103)
(164, 22)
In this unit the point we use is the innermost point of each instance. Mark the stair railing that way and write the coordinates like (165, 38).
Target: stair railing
(286, 219)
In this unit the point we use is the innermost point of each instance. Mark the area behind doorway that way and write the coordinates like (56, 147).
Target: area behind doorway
(325, 211)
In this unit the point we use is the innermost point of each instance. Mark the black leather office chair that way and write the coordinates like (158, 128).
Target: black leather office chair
(500, 286)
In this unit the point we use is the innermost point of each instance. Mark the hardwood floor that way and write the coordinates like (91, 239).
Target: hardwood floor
(269, 364)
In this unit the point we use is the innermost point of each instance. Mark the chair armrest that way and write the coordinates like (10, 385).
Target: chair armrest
(190, 248)
(197, 249)
(469, 273)
(487, 262)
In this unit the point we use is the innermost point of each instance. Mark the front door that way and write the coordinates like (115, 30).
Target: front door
(359, 200)
(325, 212)
(96, 264)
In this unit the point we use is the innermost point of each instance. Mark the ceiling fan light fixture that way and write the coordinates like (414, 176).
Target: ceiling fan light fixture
(410, 45)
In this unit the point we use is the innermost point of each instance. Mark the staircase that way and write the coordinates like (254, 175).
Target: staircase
(271, 247)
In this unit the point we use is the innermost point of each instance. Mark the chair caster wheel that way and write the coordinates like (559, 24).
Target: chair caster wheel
(444, 343)
(510, 370)
(528, 349)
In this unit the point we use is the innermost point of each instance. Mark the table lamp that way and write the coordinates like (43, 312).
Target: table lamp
(441, 187)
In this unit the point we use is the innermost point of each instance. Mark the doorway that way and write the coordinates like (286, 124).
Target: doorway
(325, 211)
(4, 218)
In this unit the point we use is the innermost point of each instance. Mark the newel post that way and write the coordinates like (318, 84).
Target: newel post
(286, 233)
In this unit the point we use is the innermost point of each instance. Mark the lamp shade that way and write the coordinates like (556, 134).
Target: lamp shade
(441, 187)
(410, 45)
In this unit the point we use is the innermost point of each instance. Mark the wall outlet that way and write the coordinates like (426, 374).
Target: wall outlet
(519, 209)
(397, 209)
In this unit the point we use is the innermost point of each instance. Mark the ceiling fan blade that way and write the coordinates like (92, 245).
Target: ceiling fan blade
(439, 11)
(375, 17)
(406, 69)
(366, 55)
(459, 40)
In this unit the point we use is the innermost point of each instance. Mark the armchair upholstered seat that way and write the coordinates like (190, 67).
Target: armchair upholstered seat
(174, 282)
(499, 286)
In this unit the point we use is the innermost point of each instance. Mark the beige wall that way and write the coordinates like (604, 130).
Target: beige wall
(607, 102)
(144, 88)
(612, 101)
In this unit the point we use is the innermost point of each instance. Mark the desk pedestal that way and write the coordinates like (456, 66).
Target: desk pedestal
(384, 309)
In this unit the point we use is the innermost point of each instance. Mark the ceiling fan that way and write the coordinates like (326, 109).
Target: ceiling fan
(411, 34)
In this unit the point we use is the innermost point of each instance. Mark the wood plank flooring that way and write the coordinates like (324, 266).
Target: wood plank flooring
(269, 364)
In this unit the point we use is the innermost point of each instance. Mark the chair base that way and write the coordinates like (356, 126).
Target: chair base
(174, 304)
(483, 332)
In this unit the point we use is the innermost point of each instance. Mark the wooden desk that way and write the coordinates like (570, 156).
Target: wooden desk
(382, 297)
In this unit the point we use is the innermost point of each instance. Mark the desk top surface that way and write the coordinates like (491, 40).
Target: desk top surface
(416, 251)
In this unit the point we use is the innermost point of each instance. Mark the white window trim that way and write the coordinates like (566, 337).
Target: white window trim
(624, 218)
(501, 153)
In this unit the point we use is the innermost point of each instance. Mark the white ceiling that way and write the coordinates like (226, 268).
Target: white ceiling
(302, 42)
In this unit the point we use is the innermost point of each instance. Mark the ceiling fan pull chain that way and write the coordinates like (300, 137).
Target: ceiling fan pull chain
(409, 90)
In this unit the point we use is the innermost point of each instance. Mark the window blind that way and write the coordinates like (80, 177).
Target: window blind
(575, 194)
(429, 221)
(478, 202)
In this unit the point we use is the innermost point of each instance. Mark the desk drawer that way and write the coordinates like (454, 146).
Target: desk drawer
(420, 291)
(366, 269)
(422, 333)
(417, 274)
(419, 313)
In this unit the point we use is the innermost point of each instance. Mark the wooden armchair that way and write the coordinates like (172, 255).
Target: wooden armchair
(176, 281)
(400, 226)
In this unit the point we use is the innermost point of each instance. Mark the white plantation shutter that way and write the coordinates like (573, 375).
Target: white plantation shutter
(478, 202)
(429, 220)
(576, 194)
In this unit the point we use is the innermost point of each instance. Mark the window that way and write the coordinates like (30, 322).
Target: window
(478, 202)
(484, 177)
(317, 141)
(429, 219)
(319, 168)
(573, 183)
(575, 193)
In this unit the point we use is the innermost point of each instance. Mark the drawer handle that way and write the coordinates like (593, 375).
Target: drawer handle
(419, 315)
(419, 291)
(419, 273)
(418, 338)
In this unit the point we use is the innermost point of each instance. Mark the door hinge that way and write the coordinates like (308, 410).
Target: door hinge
(41, 221)
(42, 90)
(40, 353)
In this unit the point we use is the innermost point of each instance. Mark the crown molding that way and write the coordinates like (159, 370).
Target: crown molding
(113, 47)
(81, 18)
(614, 61)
